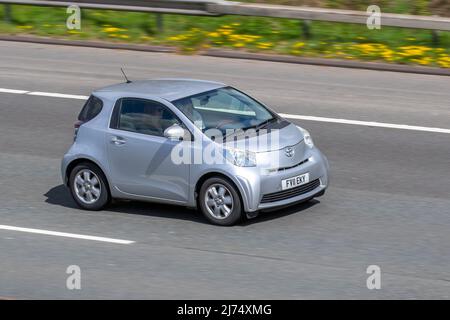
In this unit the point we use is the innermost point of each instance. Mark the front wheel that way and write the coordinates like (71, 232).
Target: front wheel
(220, 202)
(89, 187)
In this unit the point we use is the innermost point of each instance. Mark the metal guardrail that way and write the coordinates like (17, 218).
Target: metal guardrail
(219, 7)
(332, 15)
(187, 7)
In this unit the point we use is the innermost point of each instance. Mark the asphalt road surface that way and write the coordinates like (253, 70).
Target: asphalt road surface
(388, 203)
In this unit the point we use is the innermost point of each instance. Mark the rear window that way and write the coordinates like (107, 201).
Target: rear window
(91, 109)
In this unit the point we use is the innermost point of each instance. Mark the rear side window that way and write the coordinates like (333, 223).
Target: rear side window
(91, 109)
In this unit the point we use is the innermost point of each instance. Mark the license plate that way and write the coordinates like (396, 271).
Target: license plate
(294, 181)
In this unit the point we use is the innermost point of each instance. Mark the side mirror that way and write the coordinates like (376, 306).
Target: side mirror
(174, 132)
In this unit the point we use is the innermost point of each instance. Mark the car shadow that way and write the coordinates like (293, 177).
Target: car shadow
(159, 210)
(60, 196)
(281, 212)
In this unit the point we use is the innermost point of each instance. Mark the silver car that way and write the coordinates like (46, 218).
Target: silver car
(193, 143)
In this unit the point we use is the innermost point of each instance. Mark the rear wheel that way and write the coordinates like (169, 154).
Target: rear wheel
(220, 202)
(88, 186)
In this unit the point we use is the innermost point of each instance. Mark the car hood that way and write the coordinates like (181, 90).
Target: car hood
(273, 139)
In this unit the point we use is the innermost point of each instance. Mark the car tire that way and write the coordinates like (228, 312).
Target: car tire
(223, 206)
(88, 186)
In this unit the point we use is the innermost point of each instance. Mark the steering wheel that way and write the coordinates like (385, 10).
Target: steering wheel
(223, 122)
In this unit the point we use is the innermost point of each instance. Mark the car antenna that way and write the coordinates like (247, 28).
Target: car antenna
(128, 81)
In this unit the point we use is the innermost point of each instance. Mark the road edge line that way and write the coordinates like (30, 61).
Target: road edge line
(375, 66)
(65, 234)
(234, 54)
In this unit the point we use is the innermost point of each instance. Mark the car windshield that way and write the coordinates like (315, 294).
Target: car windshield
(224, 109)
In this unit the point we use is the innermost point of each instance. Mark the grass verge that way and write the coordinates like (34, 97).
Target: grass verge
(254, 34)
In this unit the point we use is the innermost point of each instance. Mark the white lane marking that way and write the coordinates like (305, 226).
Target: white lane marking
(285, 115)
(57, 95)
(13, 91)
(366, 123)
(67, 235)
(44, 94)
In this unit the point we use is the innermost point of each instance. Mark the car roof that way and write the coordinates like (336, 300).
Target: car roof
(168, 89)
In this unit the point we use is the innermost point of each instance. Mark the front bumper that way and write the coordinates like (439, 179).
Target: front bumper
(295, 199)
(262, 191)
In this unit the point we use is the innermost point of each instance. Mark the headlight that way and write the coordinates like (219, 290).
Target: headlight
(241, 158)
(306, 137)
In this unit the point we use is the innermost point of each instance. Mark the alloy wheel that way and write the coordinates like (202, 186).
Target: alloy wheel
(87, 186)
(219, 201)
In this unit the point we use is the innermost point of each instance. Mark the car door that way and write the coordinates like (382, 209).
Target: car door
(139, 154)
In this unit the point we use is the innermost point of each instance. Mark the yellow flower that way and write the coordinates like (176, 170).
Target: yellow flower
(387, 54)
(124, 36)
(299, 45)
(422, 61)
(444, 62)
(409, 51)
(248, 38)
(265, 45)
(113, 29)
(234, 37)
(214, 34)
(372, 49)
(110, 29)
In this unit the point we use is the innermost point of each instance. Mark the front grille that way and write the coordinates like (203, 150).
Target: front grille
(290, 167)
(290, 193)
(295, 165)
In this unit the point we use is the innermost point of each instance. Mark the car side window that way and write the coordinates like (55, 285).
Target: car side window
(91, 109)
(144, 116)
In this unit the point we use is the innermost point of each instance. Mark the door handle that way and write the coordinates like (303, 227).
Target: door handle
(118, 141)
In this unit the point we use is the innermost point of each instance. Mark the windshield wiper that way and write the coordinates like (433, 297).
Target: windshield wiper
(265, 123)
(256, 127)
